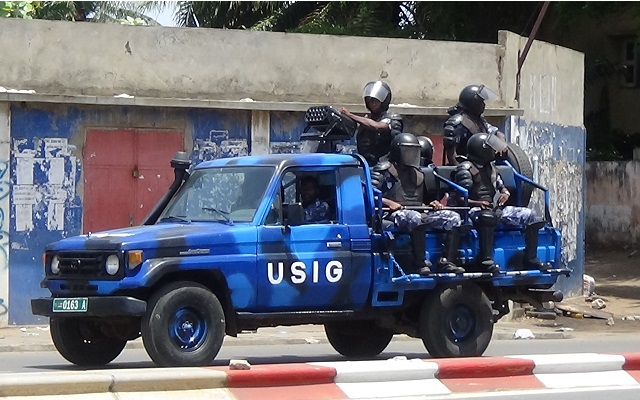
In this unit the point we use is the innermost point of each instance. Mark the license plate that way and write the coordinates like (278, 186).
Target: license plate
(78, 304)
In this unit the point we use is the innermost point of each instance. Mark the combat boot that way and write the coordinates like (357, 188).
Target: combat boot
(419, 249)
(485, 224)
(531, 260)
(450, 252)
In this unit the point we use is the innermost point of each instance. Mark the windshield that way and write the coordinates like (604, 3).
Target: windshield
(227, 195)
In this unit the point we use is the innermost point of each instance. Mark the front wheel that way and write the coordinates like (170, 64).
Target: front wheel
(184, 325)
(81, 342)
(357, 339)
(456, 321)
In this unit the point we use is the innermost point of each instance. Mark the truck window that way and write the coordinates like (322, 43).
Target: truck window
(320, 209)
(220, 194)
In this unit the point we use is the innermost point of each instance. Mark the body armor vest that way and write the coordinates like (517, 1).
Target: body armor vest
(408, 190)
(483, 187)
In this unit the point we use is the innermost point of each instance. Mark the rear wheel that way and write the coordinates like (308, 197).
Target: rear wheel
(81, 342)
(357, 339)
(184, 325)
(456, 321)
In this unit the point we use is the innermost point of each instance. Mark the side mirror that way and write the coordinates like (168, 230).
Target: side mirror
(293, 214)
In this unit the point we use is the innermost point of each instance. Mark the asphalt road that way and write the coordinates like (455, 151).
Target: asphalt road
(293, 353)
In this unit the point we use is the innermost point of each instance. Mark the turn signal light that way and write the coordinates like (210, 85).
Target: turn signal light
(134, 258)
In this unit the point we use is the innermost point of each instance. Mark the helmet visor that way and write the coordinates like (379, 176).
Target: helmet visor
(410, 154)
(497, 144)
(377, 90)
(486, 94)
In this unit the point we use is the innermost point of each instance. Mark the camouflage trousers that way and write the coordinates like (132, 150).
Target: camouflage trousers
(511, 215)
(407, 220)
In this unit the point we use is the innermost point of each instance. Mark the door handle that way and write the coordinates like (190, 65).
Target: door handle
(334, 245)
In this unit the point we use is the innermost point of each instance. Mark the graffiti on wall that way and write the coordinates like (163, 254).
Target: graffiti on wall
(4, 227)
(45, 182)
(218, 145)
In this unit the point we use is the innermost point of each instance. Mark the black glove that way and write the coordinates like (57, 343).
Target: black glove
(377, 179)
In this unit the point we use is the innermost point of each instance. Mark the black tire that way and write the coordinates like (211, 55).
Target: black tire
(357, 339)
(184, 325)
(520, 161)
(456, 321)
(81, 342)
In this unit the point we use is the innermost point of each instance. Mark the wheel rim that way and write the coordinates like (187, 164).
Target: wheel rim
(461, 323)
(188, 329)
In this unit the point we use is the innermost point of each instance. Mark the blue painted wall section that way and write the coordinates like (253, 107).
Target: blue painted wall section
(46, 175)
(558, 156)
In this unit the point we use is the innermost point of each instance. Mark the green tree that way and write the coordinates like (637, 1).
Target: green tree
(122, 12)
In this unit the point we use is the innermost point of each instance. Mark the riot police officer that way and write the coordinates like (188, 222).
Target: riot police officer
(426, 151)
(377, 128)
(487, 196)
(466, 119)
(402, 186)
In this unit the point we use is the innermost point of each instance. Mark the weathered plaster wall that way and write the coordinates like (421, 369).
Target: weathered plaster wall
(47, 187)
(613, 209)
(552, 133)
(5, 176)
(61, 57)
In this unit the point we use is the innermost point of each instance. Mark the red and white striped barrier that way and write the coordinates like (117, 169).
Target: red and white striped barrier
(400, 377)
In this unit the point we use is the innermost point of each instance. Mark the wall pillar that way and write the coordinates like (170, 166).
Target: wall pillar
(260, 132)
(5, 162)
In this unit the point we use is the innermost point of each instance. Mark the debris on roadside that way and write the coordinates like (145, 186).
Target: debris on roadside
(523, 334)
(588, 285)
(564, 329)
(610, 321)
(631, 318)
(598, 304)
(545, 314)
(239, 365)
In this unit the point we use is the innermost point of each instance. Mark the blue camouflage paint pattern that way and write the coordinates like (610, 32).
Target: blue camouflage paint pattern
(269, 269)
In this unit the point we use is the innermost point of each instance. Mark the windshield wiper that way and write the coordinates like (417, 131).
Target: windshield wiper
(175, 218)
(224, 214)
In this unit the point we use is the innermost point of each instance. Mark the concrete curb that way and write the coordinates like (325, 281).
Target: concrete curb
(348, 379)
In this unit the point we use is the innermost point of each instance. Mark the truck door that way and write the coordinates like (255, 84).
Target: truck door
(304, 267)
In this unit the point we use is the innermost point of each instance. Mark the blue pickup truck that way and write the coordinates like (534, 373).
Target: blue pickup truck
(227, 250)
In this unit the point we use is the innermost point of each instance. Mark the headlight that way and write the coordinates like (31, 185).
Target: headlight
(112, 265)
(55, 265)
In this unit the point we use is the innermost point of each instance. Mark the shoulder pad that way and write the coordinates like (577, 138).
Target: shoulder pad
(381, 166)
(454, 120)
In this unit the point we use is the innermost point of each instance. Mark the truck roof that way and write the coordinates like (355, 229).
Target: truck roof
(284, 160)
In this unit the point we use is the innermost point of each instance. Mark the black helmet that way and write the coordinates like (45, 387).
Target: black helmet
(482, 147)
(378, 90)
(426, 151)
(405, 149)
(472, 98)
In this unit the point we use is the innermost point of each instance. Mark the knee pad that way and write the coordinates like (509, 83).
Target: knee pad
(486, 218)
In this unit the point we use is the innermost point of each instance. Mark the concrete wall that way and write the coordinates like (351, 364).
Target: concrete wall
(613, 210)
(552, 133)
(5, 176)
(107, 59)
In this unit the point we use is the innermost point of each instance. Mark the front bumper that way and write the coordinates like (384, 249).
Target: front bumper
(107, 306)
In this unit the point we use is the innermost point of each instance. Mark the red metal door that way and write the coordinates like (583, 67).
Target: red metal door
(126, 171)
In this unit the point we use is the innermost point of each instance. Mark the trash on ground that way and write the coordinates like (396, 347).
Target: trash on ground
(610, 321)
(398, 358)
(23, 329)
(523, 334)
(239, 365)
(565, 329)
(588, 285)
(598, 304)
(311, 341)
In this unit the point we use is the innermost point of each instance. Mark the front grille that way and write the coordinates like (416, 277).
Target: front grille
(83, 265)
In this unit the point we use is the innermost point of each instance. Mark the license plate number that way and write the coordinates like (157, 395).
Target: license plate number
(78, 304)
